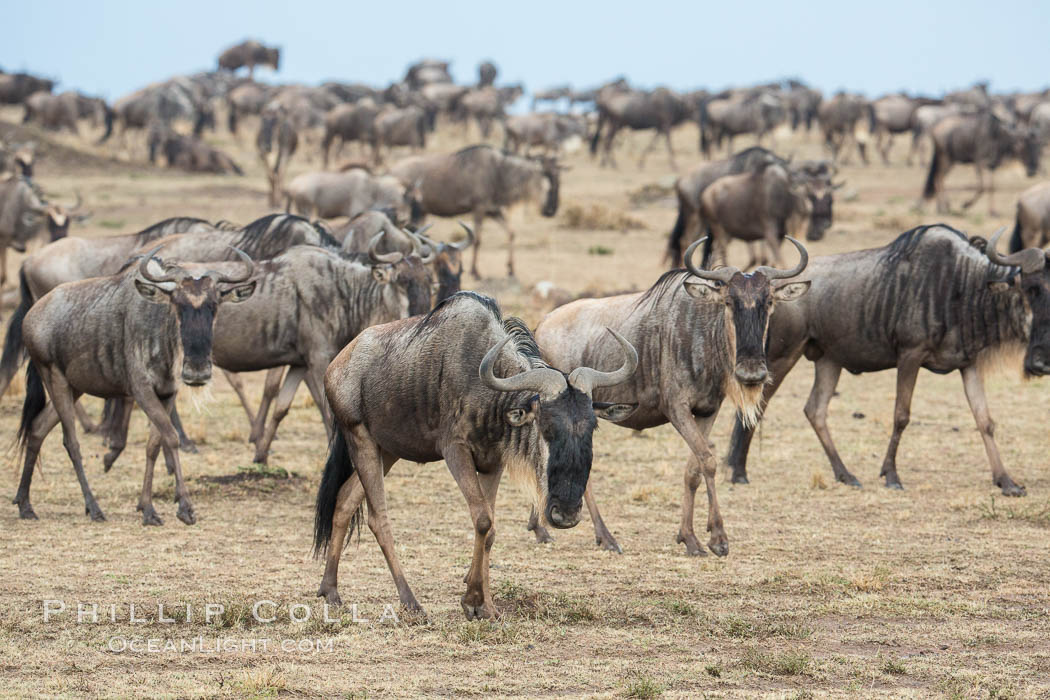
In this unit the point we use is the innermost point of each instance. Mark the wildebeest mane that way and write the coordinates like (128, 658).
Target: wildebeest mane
(669, 283)
(167, 227)
(263, 238)
(427, 321)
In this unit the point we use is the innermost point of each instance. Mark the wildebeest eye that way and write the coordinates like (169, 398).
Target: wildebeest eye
(240, 293)
(519, 416)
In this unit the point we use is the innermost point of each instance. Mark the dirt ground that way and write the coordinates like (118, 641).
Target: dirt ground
(942, 589)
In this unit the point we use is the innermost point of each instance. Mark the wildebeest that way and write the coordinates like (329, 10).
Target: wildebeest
(23, 213)
(62, 111)
(330, 195)
(763, 205)
(1032, 223)
(548, 130)
(349, 122)
(981, 139)
(247, 98)
(116, 336)
(16, 87)
(276, 143)
(660, 109)
(522, 415)
(486, 105)
(188, 153)
(553, 94)
(250, 53)
(701, 336)
(16, 159)
(894, 114)
(802, 103)
(487, 72)
(755, 112)
(839, 117)
(399, 126)
(448, 262)
(931, 299)
(427, 72)
(481, 181)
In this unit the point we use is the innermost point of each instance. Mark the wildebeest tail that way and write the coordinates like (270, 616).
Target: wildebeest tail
(14, 347)
(702, 119)
(597, 132)
(709, 246)
(931, 178)
(231, 119)
(337, 470)
(1016, 243)
(873, 123)
(110, 117)
(34, 404)
(674, 241)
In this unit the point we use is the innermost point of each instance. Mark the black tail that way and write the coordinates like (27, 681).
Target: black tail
(674, 242)
(34, 404)
(231, 119)
(709, 246)
(14, 349)
(930, 190)
(597, 132)
(110, 117)
(702, 122)
(873, 123)
(1016, 243)
(337, 470)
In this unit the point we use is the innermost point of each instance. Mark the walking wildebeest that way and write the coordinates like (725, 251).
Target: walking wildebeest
(349, 122)
(247, 98)
(485, 106)
(660, 109)
(399, 126)
(330, 195)
(554, 94)
(931, 299)
(118, 336)
(701, 336)
(545, 129)
(894, 114)
(16, 87)
(838, 118)
(188, 153)
(522, 415)
(763, 205)
(276, 143)
(755, 112)
(478, 180)
(64, 110)
(1032, 223)
(981, 139)
(24, 211)
(250, 53)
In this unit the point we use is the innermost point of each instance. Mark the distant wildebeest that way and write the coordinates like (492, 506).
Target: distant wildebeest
(755, 112)
(839, 118)
(894, 114)
(923, 120)
(803, 103)
(481, 181)
(701, 336)
(486, 106)
(23, 213)
(244, 99)
(660, 109)
(188, 153)
(448, 262)
(1032, 223)
(554, 94)
(427, 72)
(931, 299)
(16, 87)
(487, 72)
(161, 103)
(763, 205)
(522, 415)
(442, 98)
(276, 143)
(329, 195)
(17, 159)
(349, 122)
(122, 335)
(1039, 121)
(690, 187)
(981, 139)
(548, 130)
(250, 53)
(399, 126)
(62, 111)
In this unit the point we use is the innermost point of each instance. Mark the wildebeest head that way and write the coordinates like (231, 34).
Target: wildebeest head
(560, 410)
(1033, 286)
(24, 156)
(407, 274)
(818, 192)
(195, 299)
(57, 217)
(749, 299)
(448, 262)
(552, 172)
(273, 58)
(1029, 147)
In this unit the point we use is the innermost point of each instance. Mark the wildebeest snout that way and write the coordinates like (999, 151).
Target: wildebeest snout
(196, 375)
(561, 516)
(751, 371)
(1037, 361)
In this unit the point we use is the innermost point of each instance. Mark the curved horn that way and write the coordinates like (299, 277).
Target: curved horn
(75, 209)
(1030, 260)
(722, 274)
(587, 379)
(144, 268)
(248, 271)
(418, 243)
(541, 379)
(466, 243)
(773, 273)
(377, 258)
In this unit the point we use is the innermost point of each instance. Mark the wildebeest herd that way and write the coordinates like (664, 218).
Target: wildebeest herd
(368, 311)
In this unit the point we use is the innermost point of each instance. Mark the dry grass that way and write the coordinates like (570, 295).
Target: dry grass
(598, 217)
(939, 590)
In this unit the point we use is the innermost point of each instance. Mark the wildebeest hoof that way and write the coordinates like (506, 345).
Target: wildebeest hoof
(850, 480)
(476, 612)
(108, 460)
(25, 512)
(740, 479)
(608, 543)
(330, 595)
(542, 536)
(186, 514)
(189, 447)
(692, 545)
(896, 485)
(96, 514)
(720, 546)
(1016, 490)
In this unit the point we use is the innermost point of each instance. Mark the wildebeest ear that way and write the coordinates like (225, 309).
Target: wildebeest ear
(238, 293)
(999, 286)
(792, 291)
(381, 274)
(520, 416)
(614, 412)
(152, 292)
(704, 290)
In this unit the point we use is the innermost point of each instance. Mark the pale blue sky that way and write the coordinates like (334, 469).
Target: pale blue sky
(111, 47)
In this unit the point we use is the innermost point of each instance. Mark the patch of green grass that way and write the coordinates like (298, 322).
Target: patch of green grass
(741, 628)
(486, 632)
(599, 250)
(713, 670)
(265, 470)
(679, 607)
(643, 687)
(1034, 513)
(894, 667)
(789, 663)
(111, 223)
(981, 640)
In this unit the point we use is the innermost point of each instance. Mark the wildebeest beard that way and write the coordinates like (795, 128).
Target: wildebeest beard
(195, 329)
(566, 424)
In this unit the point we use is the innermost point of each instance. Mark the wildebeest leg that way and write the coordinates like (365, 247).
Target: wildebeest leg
(149, 513)
(701, 462)
(944, 166)
(159, 413)
(740, 443)
(280, 410)
(365, 455)
(89, 425)
(825, 378)
(914, 149)
(477, 601)
(974, 388)
(185, 444)
(907, 372)
(479, 218)
(980, 189)
(274, 377)
(510, 242)
(63, 398)
(119, 436)
(42, 425)
(602, 537)
(237, 383)
(648, 149)
(315, 383)
(607, 150)
(536, 528)
(351, 494)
